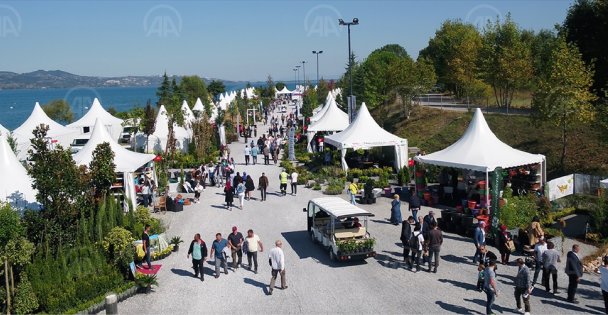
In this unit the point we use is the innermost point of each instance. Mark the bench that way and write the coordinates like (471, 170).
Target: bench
(350, 233)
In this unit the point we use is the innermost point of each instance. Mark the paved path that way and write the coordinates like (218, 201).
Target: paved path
(316, 285)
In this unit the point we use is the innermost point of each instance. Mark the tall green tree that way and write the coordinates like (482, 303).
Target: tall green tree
(59, 110)
(164, 92)
(505, 60)
(563, 96)
(279, 85)
(103, 170)
(193, 87)
(149, 122)
(586, 26)
(216, 87)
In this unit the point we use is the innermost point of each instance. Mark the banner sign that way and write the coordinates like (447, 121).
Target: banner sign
(561, 187)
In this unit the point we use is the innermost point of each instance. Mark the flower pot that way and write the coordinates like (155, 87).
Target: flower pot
(175, 248)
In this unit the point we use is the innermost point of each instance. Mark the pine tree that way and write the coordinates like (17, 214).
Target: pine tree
(164, 91)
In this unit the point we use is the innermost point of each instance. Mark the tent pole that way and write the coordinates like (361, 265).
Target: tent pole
(488, 192)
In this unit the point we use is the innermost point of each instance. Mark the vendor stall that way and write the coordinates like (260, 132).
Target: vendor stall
(333, 120)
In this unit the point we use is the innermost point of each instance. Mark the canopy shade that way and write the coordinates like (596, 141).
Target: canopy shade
(284, 91)
(113, 124)
(15, 183)
(365, 133)
(333, 119)
(340, 208)
(480, 150)
(320, 112)
(125, 160)
(198, 106)
(57, 133)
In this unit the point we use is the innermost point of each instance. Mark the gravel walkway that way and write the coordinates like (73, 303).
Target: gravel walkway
(316, 285)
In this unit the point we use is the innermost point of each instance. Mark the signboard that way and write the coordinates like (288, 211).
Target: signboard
(496, 181)
(292, 144)
(561, 187)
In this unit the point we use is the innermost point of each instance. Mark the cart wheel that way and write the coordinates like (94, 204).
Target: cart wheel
(332, 256)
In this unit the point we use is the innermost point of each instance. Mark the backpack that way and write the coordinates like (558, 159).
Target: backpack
(413, 242)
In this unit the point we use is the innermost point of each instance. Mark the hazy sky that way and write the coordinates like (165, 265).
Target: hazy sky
(233, 40)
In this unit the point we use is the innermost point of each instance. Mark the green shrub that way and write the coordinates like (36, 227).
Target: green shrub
(317, 186)
(25, 299)
(335, 187)
(519, 211)
(118, 246)
(143, 217)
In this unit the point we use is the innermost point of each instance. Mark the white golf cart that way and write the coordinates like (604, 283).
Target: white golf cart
(332, 222)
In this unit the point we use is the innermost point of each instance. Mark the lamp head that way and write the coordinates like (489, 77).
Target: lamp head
(341, 21)
(355, 21)
(320, 51)
(314, 51)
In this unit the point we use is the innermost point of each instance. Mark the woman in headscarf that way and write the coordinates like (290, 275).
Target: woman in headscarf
(535, 231)
(501, 243)
(229, 193)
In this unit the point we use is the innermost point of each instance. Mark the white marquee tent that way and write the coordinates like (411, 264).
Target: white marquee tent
(320, 111)
(333, 120)
(158, 140)
(126, 161)
(85, 124)
(188, 115)
(15, 183)
(198, 106)
(480, 150)
(3, 130)
(365, 133)
(57, 133)
(283, 91)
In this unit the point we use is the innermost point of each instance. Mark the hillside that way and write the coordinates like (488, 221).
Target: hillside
(434, 129)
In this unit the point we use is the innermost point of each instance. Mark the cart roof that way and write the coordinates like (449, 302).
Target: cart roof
(340, 208)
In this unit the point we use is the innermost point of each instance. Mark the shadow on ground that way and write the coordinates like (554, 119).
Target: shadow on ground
(302, 245)
(463, 285)
(455, 308)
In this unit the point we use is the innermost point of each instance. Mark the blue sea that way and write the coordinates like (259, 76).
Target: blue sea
(16, 105)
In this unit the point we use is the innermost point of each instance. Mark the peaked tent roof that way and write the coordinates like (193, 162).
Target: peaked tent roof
(15, 183)
(284, 91)
(37, 117)
(198, 106)
(162, 126)
(321, 111)
(334, 119)
(125, 160)
(188, 114)
(96, 112)
(3, 130)
(479, 149)
(364, 133)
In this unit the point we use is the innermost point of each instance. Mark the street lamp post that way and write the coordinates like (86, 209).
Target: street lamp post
(298, 81)
(295, 77)
(351, 99)
(304, 71)
(317, 53)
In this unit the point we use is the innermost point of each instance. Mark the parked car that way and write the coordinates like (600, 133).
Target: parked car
(127, 133)
(331, 223)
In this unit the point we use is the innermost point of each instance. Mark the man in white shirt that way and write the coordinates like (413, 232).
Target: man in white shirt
(294, 183)
(253, 245)
(276, 259)
(247, 154)
(539, 249)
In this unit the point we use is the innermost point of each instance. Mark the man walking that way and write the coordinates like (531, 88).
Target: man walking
(550, 260)
(235, 241)
(253, 244)
(276, 258)
(294, 182)
(406, 234)
(198, 249)
(217, 248)
(254, 153)
(283, 178)
(539, 249)
(435, 242)
(266, 152)
(414, 204)
(263, 185)
(574, 270)
(523, 286)
(429, 219)
(489, 286)
(247, 154)
(479, 239)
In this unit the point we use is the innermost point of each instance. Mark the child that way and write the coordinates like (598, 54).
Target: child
(480, 277)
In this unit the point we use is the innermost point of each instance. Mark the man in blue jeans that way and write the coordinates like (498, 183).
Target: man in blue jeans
(479, 239)
(218, 248)
(489, 286)
(414, 203)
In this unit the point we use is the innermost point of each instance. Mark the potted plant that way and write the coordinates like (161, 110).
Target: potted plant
(145, 282)
(175, 241)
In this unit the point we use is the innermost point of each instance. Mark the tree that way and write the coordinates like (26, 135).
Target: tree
(279, 85)
(309, 102)
(149, 122)
(164, 92)
(103, 170)
(193, 87)
(586, 25)
(505, 60)
(322, 91)
(563, 96)
(61, 190)
(454, 53)
(215, 88)
(59, 110)
(202, 133)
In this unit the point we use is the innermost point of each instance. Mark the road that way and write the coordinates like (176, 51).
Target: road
(316, 285)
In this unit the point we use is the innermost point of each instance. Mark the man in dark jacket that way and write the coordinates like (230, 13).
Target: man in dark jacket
(263, 185)
(435, 241)
(480, 240)
(414, 204)
(429, 219)
(574, 270)
(406, 233)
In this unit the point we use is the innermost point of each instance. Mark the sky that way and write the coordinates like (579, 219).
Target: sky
(231, 40)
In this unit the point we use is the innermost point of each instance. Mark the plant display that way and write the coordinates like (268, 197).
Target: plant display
(162, 254)
(355, 246)
(146, 281)
(118, 246)
(519, 211)
(335, 187)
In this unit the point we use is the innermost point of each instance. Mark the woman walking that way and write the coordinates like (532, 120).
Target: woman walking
(502, 243)
(198, 249)
(228, 191)
(249, 187)
(240, 192)
(396, 210)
